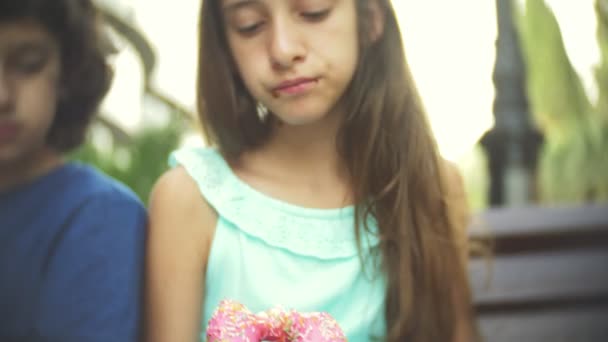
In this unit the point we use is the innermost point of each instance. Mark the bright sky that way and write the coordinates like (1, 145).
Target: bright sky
(449, 44)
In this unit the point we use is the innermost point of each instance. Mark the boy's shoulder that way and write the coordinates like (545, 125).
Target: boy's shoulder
(97, 205)
(88, 182)
(82, 191)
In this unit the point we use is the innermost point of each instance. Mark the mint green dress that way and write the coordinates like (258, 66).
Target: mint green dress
(266, 252)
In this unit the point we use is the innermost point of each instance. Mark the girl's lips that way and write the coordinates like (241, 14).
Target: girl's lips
(295, 86)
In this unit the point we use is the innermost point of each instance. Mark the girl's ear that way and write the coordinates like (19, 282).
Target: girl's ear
(377, 18)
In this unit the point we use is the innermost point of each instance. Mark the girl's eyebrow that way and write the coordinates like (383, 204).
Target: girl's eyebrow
(235, 5)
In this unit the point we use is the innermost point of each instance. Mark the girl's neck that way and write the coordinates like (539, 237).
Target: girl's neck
(300, 164)
(28, 169)
(308, 150)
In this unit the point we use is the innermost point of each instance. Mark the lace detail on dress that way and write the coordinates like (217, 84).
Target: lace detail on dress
(313, 232)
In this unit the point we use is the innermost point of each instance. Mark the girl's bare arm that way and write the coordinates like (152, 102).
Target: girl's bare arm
(180, 232)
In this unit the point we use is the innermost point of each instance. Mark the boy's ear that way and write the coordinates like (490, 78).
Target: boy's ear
(377, 19)
(62, 92)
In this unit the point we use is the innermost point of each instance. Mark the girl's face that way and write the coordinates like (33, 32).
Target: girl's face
(296, 57)
(29, 74)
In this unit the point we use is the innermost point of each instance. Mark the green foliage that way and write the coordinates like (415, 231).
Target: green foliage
(601, 72)
(573, 163)
(601, 110)
(139, 163)
(474, 169)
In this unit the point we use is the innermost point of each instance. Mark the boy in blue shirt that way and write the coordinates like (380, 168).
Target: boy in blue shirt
(71, 239)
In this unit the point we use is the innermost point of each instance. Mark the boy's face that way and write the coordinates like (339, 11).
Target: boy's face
(29, 82)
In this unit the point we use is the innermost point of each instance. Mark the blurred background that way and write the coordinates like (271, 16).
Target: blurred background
(543, 118)
(517, 95)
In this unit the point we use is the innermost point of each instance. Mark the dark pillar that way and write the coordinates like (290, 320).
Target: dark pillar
(512, 144)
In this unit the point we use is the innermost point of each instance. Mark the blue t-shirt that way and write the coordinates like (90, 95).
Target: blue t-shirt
(71, 259)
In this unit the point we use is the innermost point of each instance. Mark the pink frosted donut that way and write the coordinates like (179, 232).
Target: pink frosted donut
(233, 322)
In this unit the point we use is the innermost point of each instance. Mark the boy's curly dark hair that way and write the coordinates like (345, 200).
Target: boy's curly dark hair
(85, 73)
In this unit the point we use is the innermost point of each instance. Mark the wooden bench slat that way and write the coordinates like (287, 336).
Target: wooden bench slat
(537, 277)
(531, 221)
(584, 325)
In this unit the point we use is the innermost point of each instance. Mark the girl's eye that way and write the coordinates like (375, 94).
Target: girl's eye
(249, 29)
(316, 15)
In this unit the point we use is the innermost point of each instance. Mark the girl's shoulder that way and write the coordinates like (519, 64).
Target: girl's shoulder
(178, 212)
(205, 166)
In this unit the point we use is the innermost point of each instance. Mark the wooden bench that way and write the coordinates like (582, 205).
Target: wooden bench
(547, 279)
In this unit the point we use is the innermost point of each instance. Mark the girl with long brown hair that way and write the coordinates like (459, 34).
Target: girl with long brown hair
(322, 190)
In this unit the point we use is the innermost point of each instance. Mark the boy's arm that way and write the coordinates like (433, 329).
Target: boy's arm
(92, 290)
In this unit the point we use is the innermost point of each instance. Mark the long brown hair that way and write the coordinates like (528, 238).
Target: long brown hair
(391, 155)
